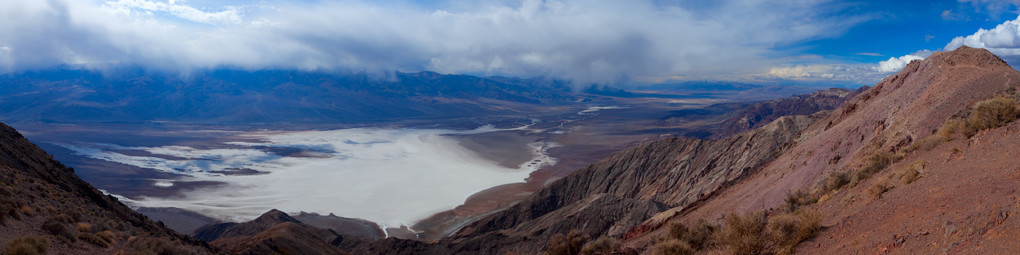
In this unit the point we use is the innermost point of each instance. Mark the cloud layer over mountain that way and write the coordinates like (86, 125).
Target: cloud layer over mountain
(585, 41)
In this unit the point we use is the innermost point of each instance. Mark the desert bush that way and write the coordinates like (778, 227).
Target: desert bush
(603, 245)
(7, 210)
(912, 172)
(744, 233)
(93, 239)
(27, 210)
(878, 189)
(107, 235)
(788, 230)
(673, 247)
(942, 135)
(63, 218)
(83, 227)
(698, 237)
(160, 246)
(57, 228)
(875, 164)
(991, 113)
(835, 180)
(29, 245)
(569, 244)
(797, 199)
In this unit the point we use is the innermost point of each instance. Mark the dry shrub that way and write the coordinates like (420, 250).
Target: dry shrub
(875, 164)
(788, 230)
(673, 247)
(942, 135)
(57, 228)
(569, 244)
(84, 227)
(107, 235)
(27, 210)
(912, 172)
(29, 245)
(93, 239)
(797, 199)
(159, 246)
(63, 218)
(878, 189)
(992, 113)
(698, 237)
(7, 210)
(603, 245)
(744, 233)
(835, 181)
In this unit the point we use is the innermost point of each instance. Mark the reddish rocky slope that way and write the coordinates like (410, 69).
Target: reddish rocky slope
(966, 191)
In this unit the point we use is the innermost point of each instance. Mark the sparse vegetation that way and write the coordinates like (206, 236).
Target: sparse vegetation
(788, 230)
(93, 239)
(673, 247)
(748, 233)
(942, 135)
(84, 227)
(107, 235)
(744, 233)
(699, 236)
(27, 210)
(835, 180)
(875, 164)
(911, 173)
(992, 113)
(603, 245)
(878, 189)
(29, 245)
(159, 246)
(795, 200)
(569, 244)
(58, 229)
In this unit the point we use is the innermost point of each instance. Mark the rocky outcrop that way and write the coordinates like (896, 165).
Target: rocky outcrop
(41, 198)
(759, 114)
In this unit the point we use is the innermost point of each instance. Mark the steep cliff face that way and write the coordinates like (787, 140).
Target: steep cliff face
(673, 172)
(42, 200)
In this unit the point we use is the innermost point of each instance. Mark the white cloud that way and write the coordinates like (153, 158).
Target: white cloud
(1003, 40)
(894, 64)
(586, 41)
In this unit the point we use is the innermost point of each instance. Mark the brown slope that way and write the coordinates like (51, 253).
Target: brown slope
(966, 201)
(903, 107)
(42, 198)
(899, 110)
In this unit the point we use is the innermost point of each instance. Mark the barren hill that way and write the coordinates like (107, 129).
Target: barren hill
(902, 167)
(45, 207)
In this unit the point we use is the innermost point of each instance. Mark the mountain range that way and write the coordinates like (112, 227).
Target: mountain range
(922, 162)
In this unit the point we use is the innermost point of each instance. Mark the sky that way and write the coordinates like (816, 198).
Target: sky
(585, 41)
